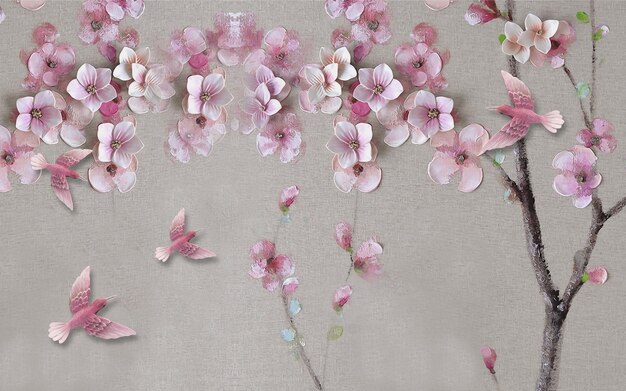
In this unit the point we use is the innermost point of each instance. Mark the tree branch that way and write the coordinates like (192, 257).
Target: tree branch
(507, 182)
(582, 107)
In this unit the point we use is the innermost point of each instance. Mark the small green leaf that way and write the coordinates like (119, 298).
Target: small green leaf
(597, 35)
(583, 90)
(335, 333)
(502, 38)
(585, 277)
(499, 157)
(582, 17)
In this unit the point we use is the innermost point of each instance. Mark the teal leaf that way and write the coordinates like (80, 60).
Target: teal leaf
(294, 307)
(288, 335)
(498, 158)
(582, 17)
(335, 333)
(583, 90)
(502, 38)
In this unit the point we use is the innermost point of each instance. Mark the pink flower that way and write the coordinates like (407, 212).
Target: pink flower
(373, 23)
(459, 153)
(323, 82)
(418, 62)
(377, 86)
(207, 95)
(511, 45)
(128, 57)
(489, 358)
(275, 85)
(431, 114)
(560, 43)
(117, 8)
(597, 275)
(352, 9)
(482, 13)
(394, 118)
(365, 260)
(578, 175)
(45, 33)
(341, 298)
(110, 110)
(284, 53)
(38, 114)
(359, 109)
(290, 284)
(187, 43)
(341, 57)
(343, 236)
(365, 177)
(282, 135)
(92, 86)
(272, 269)
(150, 82)
(424, 33)
(235, 36)
(538, 33)
(15, 157)
(600, 136)
(195, 134)
(76, 116)
(118, 143)
(287, 197)
(261, 106)
(351, 143)
(96, 24)
(50, 62)
(105, 177)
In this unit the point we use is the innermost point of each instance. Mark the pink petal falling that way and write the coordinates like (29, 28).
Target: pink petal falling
(489, 358)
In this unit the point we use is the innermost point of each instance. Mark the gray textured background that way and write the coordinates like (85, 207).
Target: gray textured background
(456, 271)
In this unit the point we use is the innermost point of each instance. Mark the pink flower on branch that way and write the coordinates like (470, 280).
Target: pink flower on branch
(481, 13)
(365, 260)
(600, 136)
(341, 297)
(287, 197)
(270, 268)
(489, 358)
(343, 236)
(578, 176)
(538, 33)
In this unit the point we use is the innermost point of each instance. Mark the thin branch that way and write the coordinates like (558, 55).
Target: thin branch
(507, 182)
(615, 209)
(592, 96)
(580, 101)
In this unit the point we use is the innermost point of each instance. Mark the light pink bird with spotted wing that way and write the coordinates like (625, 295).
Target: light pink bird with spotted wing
(85, 315)
(60, 171)
(180, 242)
(522, 115)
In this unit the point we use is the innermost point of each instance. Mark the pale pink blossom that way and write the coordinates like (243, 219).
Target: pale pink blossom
(15, 154)
(431, 114)
(538, 33)
(105, 177)
(128, 57)
(365, 260)
(45, 33)
(418, 62)
(92, 86)
(511, 45)
(352, 9)
(597, 275)
(235, 36)
(186, 43)
(600, 137)
(459, 153)
(578, 175)
(270, 268)
(341, 297)
(118, 8)
(373, 24)
(365, 177)
(481, 13)
(323, 82)
(377, 87)
(150, 83)
(118, 143)
(341, 57)
(76, 116)
(394, 118)
(343, 236)
(38, 114)
(96, 24)
(275, 85)
(283, 53)
(489, 358)
(290, 284)
(261, 106)
(50, 62)
(283, 136)
(206, 95)
(195, 134)
(559, 44)
(287, 197)
(351, 143)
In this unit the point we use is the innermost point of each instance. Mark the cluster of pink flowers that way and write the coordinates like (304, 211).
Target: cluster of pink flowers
(365, 259)
(99, 24)
(234, 36)
(370, 24)
(49, 61)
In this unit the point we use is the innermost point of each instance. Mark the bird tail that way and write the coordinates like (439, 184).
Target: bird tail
(59, 331)
(38, 162)
(162, 253)
(552, 121)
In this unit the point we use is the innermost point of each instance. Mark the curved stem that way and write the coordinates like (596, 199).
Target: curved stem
(582, 107)
(507, 182)
(592, 95)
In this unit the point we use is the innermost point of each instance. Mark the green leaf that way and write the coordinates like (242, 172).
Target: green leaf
(502, 38)
(585, 277)
(582, 17)
(583, 90)
(499, 157)
(597, 35)
(335, 333)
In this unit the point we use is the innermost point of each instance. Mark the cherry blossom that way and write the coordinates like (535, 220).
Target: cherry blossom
(373, 23)
(365, 177)
(186, 43)
(511, 45)
(341, 297)
(343, 236)
(418, 62)
(150, 82)
(38, 114)
(118, 143)
(351, 143)
(287, 197)
(289, 285)
(261, 106)
(597, 275)
(76, 116)
(270, 268)
(45, 33)
(96, 24)
(104, 177)
(283, 136)
(323, 82)
(283, 53)
(559, 44)
(352, 9)
(118, 8)
(365, 259)
(128, 57)
(578, 175)
(341, 57)
(394, 118)
(600, 137)
(92, 86)
(15, 154)
(263, 75)
(206, 95)
(481, 13)
(489, 358)
(235, 36)
(195, 134)
(50, 62)
(431, 114)
(377, 86)
(538, 33)
(459, 153)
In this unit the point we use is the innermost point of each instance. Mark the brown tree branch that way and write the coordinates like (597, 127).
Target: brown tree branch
(582, 107)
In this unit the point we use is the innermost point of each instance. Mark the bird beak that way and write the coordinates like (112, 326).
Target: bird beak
(492, 108)
(110, 298)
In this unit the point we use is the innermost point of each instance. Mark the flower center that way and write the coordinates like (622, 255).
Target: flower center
(354, 144)
(405, 115)
(357, 169)
(52, 64)
(91, 89)
(418, 64)
(378, 89)
(279, 135)
(96, 25)
(36, 113)
(460, 159)
(201, 121)
(373, 25)
(280, 56)
(581, 178)
(595, 140)
(204, 96)
(112, 169)
(115, 144)
(540, 32)
(433, 113)
(8, 159)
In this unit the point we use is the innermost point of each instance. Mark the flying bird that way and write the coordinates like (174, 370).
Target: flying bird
(60, 171)
(180, 242)
(85, 315)
(522, 115)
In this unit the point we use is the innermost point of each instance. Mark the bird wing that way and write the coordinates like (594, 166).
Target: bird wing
(518, 92)
(70, 158)
(81, 290)
(103, 328)
(193, 251)
(510, 133)
(62, 190)
(177, 229)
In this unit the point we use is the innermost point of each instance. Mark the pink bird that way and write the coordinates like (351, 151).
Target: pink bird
(522, 115)
(180, 242)
(85, 315)
(60, 171)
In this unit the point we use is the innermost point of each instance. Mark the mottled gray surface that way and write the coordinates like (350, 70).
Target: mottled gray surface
(456, 271)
